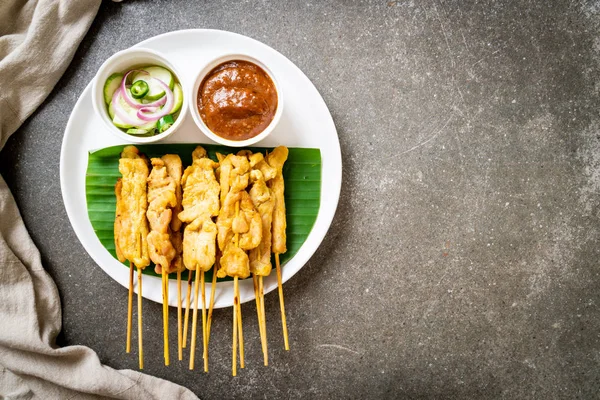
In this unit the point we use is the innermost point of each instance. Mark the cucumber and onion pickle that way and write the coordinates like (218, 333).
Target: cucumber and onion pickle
(143, 102)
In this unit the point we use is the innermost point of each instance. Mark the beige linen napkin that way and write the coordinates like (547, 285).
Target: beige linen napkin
(37, 42)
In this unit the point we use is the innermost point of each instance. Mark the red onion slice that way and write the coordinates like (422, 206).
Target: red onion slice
(131, 101)
(154, 114)
(121, 113)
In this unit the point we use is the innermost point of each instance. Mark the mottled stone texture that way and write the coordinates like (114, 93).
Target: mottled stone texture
(463, 260)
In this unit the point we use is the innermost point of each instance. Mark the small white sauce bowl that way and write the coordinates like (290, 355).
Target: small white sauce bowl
(122, 62)
(193, 103)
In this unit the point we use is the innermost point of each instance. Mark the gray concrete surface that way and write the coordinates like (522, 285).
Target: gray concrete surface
(463, 259)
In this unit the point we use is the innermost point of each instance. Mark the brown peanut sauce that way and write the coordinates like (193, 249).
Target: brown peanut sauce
(237, 100)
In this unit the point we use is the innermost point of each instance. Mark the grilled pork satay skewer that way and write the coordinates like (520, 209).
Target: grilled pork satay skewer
(248, 236)
(121, 210)
(235, 262)
(237, 316)
(232, 169)
(260, 257)
(203, 235)
(213, 287)
(239, 229)
(174, 169)
(131, 228)
(276, 159)
(251, 158)
(162, 200)
(233, 178)
(200, 204)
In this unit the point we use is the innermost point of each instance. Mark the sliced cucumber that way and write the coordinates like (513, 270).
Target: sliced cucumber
(146, 127)
(161, 73)
(132, 113)
(111, 84)
(178, 98)
(132, 97)
(119, 123)
(138, 132)
(111, 111)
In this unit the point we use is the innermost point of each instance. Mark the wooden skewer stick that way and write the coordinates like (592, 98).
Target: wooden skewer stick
(162, 289)
(239, 317)
(213, 289)
(261, 293)
(255, 279)
(165, 282)
(204, 335)
(139, 307)
(257, 299)
(179, 330)
(195, 319)
(167, 314)
(235, 326)
(187, 308)
(129, 309)
(261, 317)
(281, 303)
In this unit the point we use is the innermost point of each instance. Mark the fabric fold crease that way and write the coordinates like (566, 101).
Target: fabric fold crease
(37, 43)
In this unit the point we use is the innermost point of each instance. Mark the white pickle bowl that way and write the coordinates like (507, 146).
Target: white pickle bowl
(123, 61)
(194, 92)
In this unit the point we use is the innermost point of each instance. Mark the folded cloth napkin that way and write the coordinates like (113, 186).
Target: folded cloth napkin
(37, 42)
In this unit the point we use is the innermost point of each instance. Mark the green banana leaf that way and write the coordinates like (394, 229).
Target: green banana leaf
(301, 173)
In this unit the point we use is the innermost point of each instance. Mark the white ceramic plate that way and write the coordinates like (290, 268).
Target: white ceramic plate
(306, 122)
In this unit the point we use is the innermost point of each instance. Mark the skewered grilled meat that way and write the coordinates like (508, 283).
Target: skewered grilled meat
(200, 204)
(131, 226)
(276, 159)
(260, 257)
